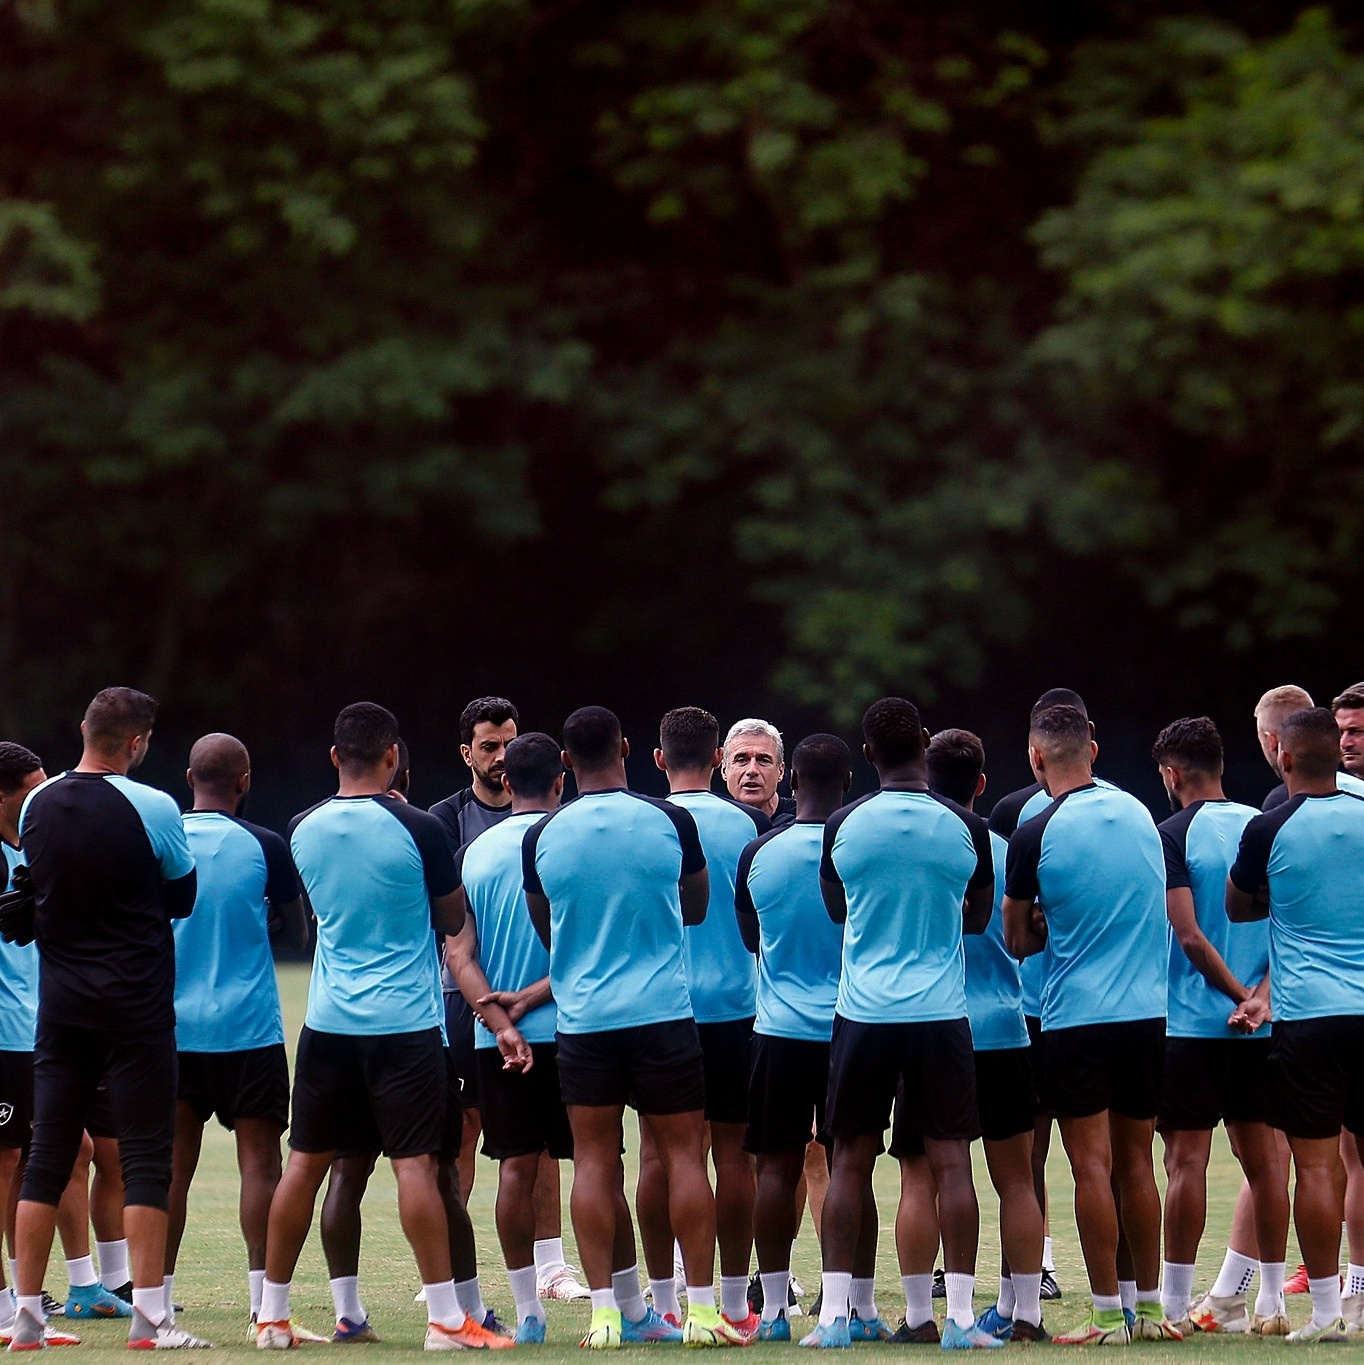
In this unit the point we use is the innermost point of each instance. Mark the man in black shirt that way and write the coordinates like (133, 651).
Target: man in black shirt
(111, 868)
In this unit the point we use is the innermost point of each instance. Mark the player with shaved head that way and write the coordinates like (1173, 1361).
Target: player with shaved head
(228, 1031)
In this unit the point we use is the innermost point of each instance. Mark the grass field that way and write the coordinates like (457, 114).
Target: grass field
(211, 1280)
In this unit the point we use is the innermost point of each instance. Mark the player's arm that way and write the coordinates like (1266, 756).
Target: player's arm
(1025, 928)
(979, 903)
(461, 958)
(178, 895)
(694, 888)
(1179, 910)
(518, 1004)
(831, 889)
(1247, 896)
(1251, 1013)
(1246, 907)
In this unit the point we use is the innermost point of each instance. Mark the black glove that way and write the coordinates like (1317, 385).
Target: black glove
(16, 909)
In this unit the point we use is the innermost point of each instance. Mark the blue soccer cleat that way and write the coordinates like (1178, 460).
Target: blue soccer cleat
(835, 1336)
(994, 1322)
(95, 1301)
(530, 1331)
(778, 1329)
(651, 1327)
(970, 1338)
(868, 1329)
(348, 1332)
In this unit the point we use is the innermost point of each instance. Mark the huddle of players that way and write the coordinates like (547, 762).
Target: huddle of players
(887, 935)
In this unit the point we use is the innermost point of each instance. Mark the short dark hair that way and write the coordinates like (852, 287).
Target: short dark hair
(1059, 696)
(592, 736)
(689, 738)
(217, 761)
(495, 710)
(364, 733)
(1312, 737)
(115, 715)
(16, 763)
(1060, 732)
(534, 764)
(894, 731)
(402, 774)
(822, 762)
(956, 759)
(1193, 742)
(1349, 700)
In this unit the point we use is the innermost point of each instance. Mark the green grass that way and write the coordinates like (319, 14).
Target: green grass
(211, 1280)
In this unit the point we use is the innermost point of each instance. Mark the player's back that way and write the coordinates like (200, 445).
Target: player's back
(994, 988)
(905, 859)
(1098, 870)
(609, 863)
(801, 947)
(18, 979)
(370, 866)
(226, 997)
(721, 975)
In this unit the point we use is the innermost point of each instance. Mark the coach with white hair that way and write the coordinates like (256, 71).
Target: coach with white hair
(753, 763)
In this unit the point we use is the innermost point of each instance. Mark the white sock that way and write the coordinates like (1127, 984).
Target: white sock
(837, 1289)
(32, 1304)
(603, 1298)
(1006, 1298)
(1176, 1290)
(443, 1304)
(774, 1283)
(665, 1298)
(149, 1302)
(1325, 1300)
(1027, 1299)
(862, 1298)
(274, 1302)
(81, 1272)
(470, 1296)
(113, 1263)
(918, 1298)
(959, 1291)
(1271, 1288)
(524, 1293)
(1354, 1279)
(700, 1296)
(168, 1297)
(255, 1283)
(549, 1254)
(1047, 1262)
(7, 1304)
(14, 1272)
(1107, 1303)
(1127, 1295)
(1235, 1276)
(625, 1286)
(346, 1298)
(734, 1297)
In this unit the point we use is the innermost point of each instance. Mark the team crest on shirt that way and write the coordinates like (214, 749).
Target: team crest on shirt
(6, 1112)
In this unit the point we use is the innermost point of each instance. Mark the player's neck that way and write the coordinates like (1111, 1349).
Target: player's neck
(610, 778)
(364, 782)
(93, 761)
(533, 805)
(489, 796)
(816, 807)
(907, 777)
(1059, 781)
(206, 803)
(1193, 792)
(1310, 786)
(683, 780)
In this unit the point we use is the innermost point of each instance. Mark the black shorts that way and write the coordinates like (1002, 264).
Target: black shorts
(1094, 1067)
(654, 1068)
(459, 1029)
(1317, 1076)
(726, 1053)
(931, 1060)
(252, 1084)
(787, 1090)
(1005, 1095)
(371, 1093)
(523, 1111)
(1035, 1051)
(16, 1099)
(1208, 1080)
(99, 1115)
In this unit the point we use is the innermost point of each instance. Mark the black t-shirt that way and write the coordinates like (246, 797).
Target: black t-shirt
(464, 817)
(111, 867)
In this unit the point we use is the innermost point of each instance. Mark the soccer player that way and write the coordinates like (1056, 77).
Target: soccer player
(1005, 1092)
(378, 874)
(1271, 711)
(1215, 1070)
(228, 1031)
(753, 764)
(1302, 865)
(909, 872)
(721, 978)
(611, 879)
(110, 869)
(1348, 709)
(1086, 882)
(799, 949)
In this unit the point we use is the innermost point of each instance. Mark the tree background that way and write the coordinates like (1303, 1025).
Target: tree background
(767, 355)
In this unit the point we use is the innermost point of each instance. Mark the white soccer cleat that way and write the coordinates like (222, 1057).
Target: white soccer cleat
(561, 1282)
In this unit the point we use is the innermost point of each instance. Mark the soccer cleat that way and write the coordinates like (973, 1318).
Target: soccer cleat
(348, 1331)
(1099, 1329)
(775, 1329)
(165, 1336)
(530, 1331)
(1269, 1325)
(1209, 1313)
(605, 1332)
(651, 1327)
(562, 1283)
(707, 1327)
(1296, 1283)
(495, 1325)
(1330, 1332)
(468, 1336)
(939, 1284)
(868, 1329)
(25, 1333)
(1029, 1332)
(746, 1327)
(275, 1336)
(55, 1308)
(995, 1323)
(1050, 1289)
(827, 1337)
(1149, 1327)
(1129, 1316)
(95, 1301)
(1352, 1310)
(970, 1338)
(306, 1338)
(925, 1334)
(54, 1336)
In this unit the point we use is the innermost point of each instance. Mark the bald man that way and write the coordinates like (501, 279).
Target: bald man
(229, 1036)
